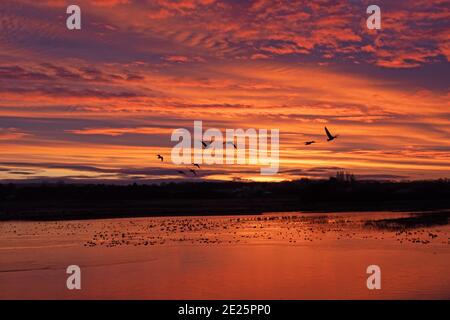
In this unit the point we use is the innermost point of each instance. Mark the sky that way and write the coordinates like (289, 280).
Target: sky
(98, 104)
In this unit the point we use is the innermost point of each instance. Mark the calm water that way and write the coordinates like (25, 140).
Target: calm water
(272, 256)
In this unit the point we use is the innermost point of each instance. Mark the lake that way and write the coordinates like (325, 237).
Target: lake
(269, 256)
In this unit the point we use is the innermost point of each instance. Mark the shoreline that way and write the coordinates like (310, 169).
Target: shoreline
(210, 207)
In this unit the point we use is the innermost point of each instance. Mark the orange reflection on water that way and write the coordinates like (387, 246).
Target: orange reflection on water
(273, 256)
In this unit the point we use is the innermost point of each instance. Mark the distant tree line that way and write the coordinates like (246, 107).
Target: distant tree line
(342, 188)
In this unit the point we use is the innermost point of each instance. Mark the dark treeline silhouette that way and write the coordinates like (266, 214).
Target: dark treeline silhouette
(341, 193)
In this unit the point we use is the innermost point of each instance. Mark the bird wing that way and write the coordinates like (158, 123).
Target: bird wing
(328, 133)
(231, 143)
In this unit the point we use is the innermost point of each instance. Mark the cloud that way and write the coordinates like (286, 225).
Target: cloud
(8, 134)
(113, 92)
(121, 131)
(413, 34)
(177, 59)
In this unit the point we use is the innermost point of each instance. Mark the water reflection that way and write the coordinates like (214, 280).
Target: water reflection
(270, 256)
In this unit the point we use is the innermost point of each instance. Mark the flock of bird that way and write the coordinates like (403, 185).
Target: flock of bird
(274, 228)
(292, 228)
(330, 137)
(192, 170)
(206, 144)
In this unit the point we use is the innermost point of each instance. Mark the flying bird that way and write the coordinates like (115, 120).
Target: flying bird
(181, 172)
(161, 157)
(196, 165)
(193, 171)
(229, 142)
(329, 135)
(206, 143)
(307, 143)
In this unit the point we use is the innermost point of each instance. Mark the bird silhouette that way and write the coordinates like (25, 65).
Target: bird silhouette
(196, 165)
(161, 157)
(229, 142)
(206, 144)
(329, 135)
(181, 172)
(307, 143)
(193, 171)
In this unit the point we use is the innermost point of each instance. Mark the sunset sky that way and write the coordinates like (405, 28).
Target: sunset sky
(100, 103)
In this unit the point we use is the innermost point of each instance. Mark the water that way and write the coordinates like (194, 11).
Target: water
(271, 256)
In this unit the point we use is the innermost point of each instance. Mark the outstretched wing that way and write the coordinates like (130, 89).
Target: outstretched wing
(328, 133)
(229, 142)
